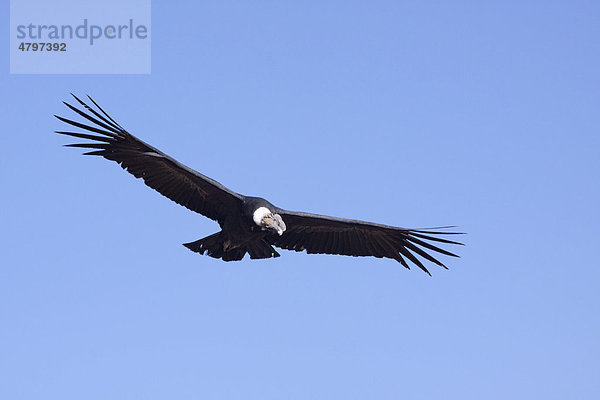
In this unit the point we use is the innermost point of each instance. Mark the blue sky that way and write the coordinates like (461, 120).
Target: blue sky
(477, 114)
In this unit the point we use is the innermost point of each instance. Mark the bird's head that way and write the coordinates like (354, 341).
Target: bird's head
(267, 220)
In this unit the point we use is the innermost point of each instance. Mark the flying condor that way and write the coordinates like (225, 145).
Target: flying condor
(249, 224)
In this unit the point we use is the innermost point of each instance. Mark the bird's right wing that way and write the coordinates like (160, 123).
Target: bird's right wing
(162, 173)
(330, 235)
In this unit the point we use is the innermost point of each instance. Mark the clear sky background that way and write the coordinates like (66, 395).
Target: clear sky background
(483, 115)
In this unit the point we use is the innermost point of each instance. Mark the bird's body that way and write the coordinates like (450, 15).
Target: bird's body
(249, 225)
(241, 233)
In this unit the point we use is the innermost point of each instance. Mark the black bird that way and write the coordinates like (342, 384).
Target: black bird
(248, 224)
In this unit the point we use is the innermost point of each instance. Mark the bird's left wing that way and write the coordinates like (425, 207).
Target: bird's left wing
(330, 235)
(162, 173)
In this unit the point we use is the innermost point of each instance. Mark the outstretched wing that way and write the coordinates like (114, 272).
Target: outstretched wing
(321, 234)
(162, 173)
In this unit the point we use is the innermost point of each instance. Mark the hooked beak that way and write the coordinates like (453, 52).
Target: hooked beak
(275, 223)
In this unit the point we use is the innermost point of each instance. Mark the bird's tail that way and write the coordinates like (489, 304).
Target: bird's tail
(217, 246)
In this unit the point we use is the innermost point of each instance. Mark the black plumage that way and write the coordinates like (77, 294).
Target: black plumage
(249, 224)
